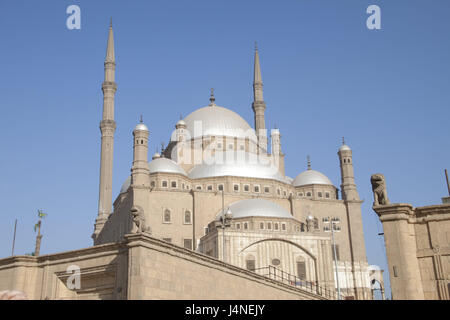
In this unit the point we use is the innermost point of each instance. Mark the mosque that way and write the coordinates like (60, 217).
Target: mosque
(216, 197)
(217, 188)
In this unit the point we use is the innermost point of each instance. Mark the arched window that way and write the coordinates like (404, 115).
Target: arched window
(316, 223)
(187, 217)
(250, 263)
(301, 268)
(167, 216)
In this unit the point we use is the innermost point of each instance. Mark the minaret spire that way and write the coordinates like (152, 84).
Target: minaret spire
(259, 106)
(107, 128)
(308, 159)
(257, 79)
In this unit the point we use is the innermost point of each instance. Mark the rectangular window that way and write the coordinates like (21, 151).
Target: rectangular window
(238, 226)
(266, 189)
(256, 189)
(337, 257)
(174, 184)
(245, 225)
(283, 226)
(250, 265)
(275, 226)
(261, 225)
(319, 194)
(301, 270)
(187, 217)
(210, 188)
(395, 269)
(327, 195)
(187, 243)
(220, 187)
(198, 187)
(246, 188)
(236, 187)
(164, 184)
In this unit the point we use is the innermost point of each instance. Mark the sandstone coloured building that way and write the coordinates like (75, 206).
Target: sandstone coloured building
(213, 209)
(417, 245)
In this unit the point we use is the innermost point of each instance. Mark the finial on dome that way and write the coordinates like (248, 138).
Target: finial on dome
(140, 119)
(308, 159)
(110, 22)
(162, 149)
(343, 140)
(256, 46)
(212, 99)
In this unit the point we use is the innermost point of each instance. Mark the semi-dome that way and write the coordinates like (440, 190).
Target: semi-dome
(256, 208)
(165, 165)
(311, 177)
(217, 121)
(238, 164)
(125, 185)
(157, 165)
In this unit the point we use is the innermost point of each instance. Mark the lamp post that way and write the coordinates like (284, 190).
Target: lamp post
(225, 217)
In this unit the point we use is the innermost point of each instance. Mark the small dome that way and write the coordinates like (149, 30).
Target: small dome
(218, 121)
(165, 165)
(141, 127)
(344, 147)
(156, 156)
(256, 208)
(125, 185)
(180, 122)
(311, 177)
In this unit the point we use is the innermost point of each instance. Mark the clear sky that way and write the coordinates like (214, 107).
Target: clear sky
(325, 76)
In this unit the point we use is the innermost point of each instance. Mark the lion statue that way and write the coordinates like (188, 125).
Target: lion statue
(137, 215)
(379, 189)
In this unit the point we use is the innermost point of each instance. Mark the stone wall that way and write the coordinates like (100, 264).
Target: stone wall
(140, 267)
(418, 250)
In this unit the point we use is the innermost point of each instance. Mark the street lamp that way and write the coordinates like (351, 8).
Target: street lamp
(309, 221)
(225, 220)
(226, 217)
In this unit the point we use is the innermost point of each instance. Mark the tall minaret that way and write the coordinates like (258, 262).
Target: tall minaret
(139, 170)
(348, 186)
(354, 218)
(107, 128)
(258, 105)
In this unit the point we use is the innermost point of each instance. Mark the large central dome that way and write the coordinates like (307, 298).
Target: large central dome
(213, 120)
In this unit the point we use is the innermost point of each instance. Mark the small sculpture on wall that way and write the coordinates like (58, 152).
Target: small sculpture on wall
(379, 190)
(137, 215)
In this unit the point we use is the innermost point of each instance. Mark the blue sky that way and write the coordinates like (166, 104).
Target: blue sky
(325, 76)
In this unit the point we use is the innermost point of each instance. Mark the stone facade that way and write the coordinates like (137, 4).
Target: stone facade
(140, 267)
(418, 250)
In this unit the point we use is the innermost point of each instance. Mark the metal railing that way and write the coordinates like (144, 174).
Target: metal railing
(309, 286)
